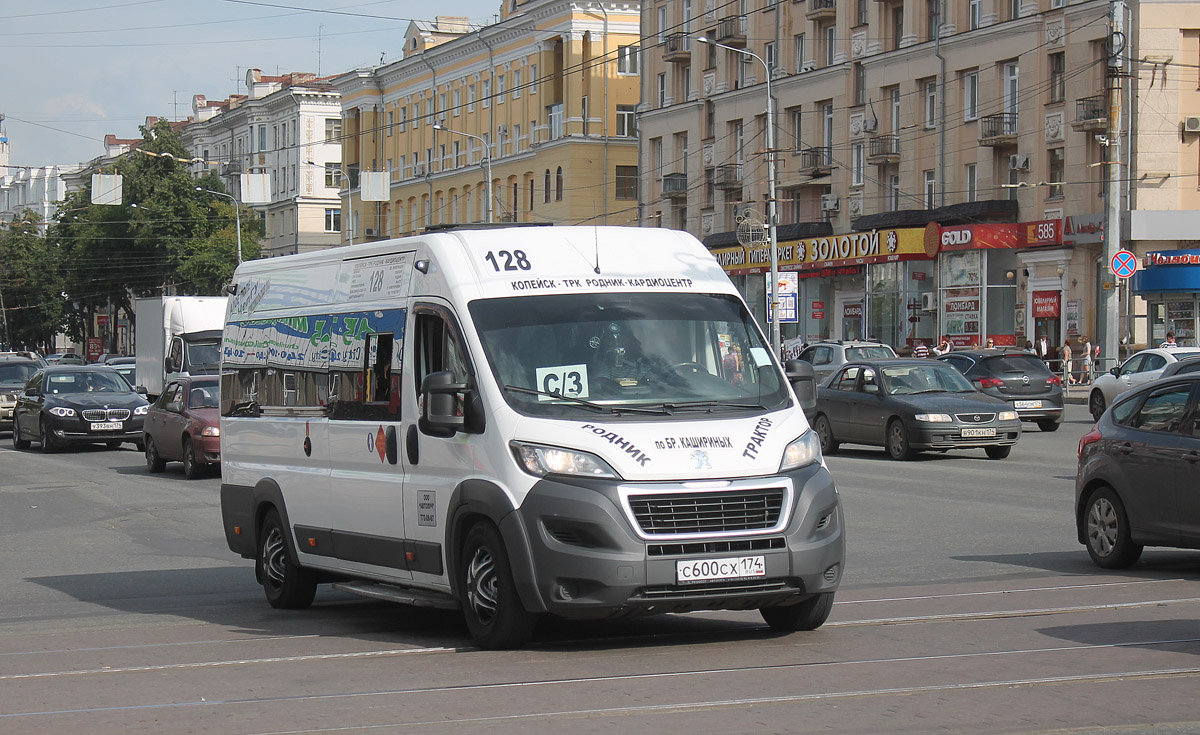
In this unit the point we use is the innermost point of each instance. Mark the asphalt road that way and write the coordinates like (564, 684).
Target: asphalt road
(967, 607)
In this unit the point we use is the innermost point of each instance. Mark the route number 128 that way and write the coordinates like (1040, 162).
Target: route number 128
(513, 261)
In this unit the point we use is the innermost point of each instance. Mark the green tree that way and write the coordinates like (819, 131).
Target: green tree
(30, 286)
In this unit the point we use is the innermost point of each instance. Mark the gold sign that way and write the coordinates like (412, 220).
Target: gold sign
(857, 248)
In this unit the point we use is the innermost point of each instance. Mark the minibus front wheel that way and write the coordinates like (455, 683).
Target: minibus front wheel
(287, 584)
(491, 605)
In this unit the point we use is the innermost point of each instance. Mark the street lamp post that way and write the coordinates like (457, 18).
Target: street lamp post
(236, 214)
(487, 160)
(772, 234)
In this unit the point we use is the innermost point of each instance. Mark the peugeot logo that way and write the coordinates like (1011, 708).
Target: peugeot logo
(1025, 379)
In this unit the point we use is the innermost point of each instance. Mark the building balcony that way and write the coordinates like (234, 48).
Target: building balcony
(727, 176)
(883, 150)
(816, 162)
(677, 49)
(1090, 114)
(821, 10)
(999, 130)
(731, 31)
(675, 186)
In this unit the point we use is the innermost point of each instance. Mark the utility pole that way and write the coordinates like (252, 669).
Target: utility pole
(1112, 227)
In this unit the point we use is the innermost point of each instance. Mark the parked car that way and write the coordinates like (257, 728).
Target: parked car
(183, 425)
(1135, 485)
(65, 358)
(910, 405)
(14, 374)
(118, 360)
(23, 355)
(69, 404)
(1017, 377)
(825, 357)
(1143, 367)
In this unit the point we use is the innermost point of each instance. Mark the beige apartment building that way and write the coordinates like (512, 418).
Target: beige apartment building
(544, 100)
(940, 162)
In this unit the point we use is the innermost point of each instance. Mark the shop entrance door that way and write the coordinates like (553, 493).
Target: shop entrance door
(849, 315)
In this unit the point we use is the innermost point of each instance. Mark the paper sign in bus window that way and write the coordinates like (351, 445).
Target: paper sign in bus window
(564, 380)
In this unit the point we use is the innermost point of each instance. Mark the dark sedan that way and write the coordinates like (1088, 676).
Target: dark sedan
(1017, 377)
(183, 425)
(907, 406)
(14, 374)
(69, 404)
(1136, 481)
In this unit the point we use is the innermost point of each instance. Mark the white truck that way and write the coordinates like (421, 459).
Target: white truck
(176, 336)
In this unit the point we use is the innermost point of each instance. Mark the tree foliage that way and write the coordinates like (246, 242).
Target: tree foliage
(30, 287)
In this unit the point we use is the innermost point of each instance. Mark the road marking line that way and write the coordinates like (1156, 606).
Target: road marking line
(1008, 592)
(1007, 613)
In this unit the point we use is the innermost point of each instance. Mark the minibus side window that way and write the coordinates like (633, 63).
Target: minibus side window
(438, 348)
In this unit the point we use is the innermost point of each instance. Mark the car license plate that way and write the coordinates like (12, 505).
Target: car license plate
(707, 570)
(978, 432)
(1027, 404)
(107, 426)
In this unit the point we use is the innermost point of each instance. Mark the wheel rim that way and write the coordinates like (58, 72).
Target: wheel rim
(1102, 527)
(482, 585)
(1097, 405)
(189, 458)
(897, 439)
(823, 433)
(274, 558)
(45, 435)
(151, 452)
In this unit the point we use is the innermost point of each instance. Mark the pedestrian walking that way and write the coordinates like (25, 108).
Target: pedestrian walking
(1086, 375)
(921, 350)
(1065, 354)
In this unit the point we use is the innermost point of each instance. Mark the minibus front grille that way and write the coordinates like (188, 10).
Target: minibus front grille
(707, 512)
(715, 547)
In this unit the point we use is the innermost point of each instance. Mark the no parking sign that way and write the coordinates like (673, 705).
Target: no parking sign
(1123, 264)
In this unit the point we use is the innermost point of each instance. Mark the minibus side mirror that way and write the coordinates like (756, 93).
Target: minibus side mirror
(442, 414)
(804, 381)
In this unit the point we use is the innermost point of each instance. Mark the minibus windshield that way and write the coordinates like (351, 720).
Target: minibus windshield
(634, 354)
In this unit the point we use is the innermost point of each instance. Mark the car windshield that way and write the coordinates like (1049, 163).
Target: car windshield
(875, 352)
(932, 378)
(1018, 364)
(85, 382)
(17, 372)
(203, 354)
(579, 354)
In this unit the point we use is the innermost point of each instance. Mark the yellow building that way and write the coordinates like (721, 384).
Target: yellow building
(546, 98)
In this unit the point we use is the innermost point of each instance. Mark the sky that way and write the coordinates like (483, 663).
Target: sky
(77, 70)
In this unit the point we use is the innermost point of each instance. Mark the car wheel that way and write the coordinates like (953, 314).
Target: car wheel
(1096, 404)
(191, 467)
(897, 441)
(46, 438)
(287, 585)
(808, 615)
(998, 452)
(1108, 534)
(1050, 425)
(18, 442)
(493, 610)
(829, 445)
(154, 462)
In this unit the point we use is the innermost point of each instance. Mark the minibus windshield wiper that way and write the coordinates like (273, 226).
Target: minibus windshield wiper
(586, 404)
(689, 405)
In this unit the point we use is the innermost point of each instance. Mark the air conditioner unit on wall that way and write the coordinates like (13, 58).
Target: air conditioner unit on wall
(829, 203)
(928, 301)
(1018, 162)
(370, 232)
(1191, 124)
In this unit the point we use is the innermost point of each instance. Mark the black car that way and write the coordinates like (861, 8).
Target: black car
(70, 404)
(1186, 365)
(14, 374)
(1136, 481)
(911, 405)
(1017, 377)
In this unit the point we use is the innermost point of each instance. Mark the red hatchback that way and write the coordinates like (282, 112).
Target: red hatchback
(183, 424)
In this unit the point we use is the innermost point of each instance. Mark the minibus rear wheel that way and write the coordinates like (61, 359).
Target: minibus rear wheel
(491, 605)
(808, 615)
(287, 585)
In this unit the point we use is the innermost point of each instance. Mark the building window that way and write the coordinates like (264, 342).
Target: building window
(860, 84)
(627, 121)
(972, 182)
(797, 127)
(627, 60)
(930, 88)
(971, 95)
(516, 83)
(830, 44)
(391, 122)
(1058, 162)
(770, 57)
(934, 12)
(533, 79)
(333, 129)
(895, 97)
(897, 26)
(661, 87)
(862, 12)
(262, 138)
(893, 193)
(930, 200)
(662, 24)
(827, 132)
(799, 50)
(558, 184)
(710, 189)
(546, 195)
(500, 89)
(333, 220)
(627, 182)
(470, 98)
(857, 164)
(1058, 77)
(710, 120)
(457, 102)
(975, 13)
(486, 92)
(333, 174)
(656, 159)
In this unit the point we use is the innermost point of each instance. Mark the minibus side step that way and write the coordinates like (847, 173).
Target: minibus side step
(403, 595)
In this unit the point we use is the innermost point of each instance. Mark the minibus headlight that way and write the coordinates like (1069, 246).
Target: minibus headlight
(540, 460)
(803, 451)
